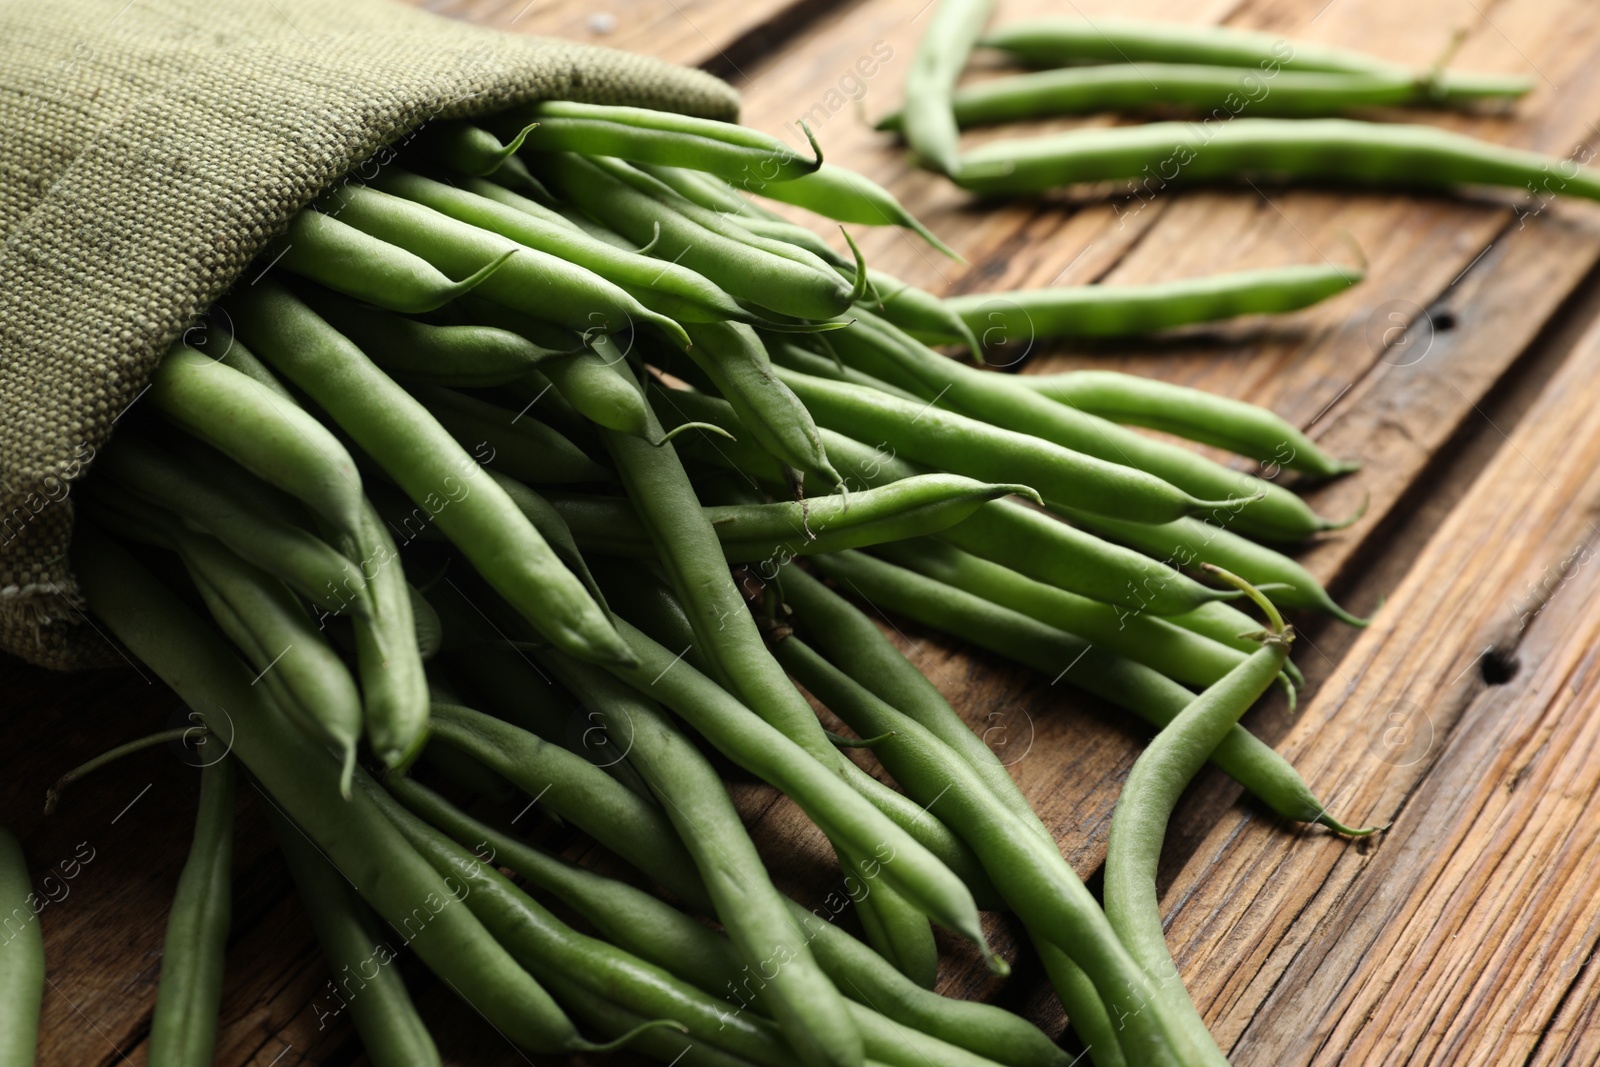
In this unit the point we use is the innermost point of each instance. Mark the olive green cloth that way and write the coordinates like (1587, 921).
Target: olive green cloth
(148, 149)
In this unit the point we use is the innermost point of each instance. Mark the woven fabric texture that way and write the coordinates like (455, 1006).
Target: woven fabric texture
(150, 149)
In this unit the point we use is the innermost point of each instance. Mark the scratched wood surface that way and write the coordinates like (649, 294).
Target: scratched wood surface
(1465, 715)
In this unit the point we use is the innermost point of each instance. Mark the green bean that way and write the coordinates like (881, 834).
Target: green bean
(425, 460)
(920, 312)
(732, 152)
(183, 1026)
(1038, 884)
(1182, 87)
(664, 936)
(272, 629)
(843, 815)
(271, 438)
(979, 450)
(754, 533)
(733, 646)
(1128, 310)
(1056, 42)
(709, 191)
(394, 686)
(1369, 153)
(555, 952)
(845, 196)
(1005, 531)
(597, 383)
(467, 148)
(666, 1044)
(788, 354)
(668, 288)
(392, 1034)
(465, 356)
(736, 361)
(1193, 541)
(939, 60)
(359, 264)
(1259, 506)
(799, 236)
(303, 561)
(516, 444)
(805, 1004)
(1247, 429)
(21, 959)
(241, 359)
(541, 284)
(1128, 685)
(1159, 776)
(770, 274)
(304, 780)
(1179, 654)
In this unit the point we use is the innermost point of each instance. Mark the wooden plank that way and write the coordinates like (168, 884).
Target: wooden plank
(1457, 934)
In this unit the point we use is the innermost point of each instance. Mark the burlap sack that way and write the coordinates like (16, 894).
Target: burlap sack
(148, 149)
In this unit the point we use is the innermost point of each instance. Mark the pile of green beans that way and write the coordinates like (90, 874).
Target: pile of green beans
(1264, 106)
(492, 494)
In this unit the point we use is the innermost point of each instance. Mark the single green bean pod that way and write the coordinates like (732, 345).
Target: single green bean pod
(1057, 42)
(845, 196)
(921, 313)
(1247, 429)
(1187, 87)
(278, 637)
(303, 779)
(392, 1033)
(773, 275)
(267, 435)
(1144, 808)
(733, 152)
(465, 356)
(1016, 637)
(347, 259)
(529, 280)
(980, 450)
(941, 56)
(394, 684)
(668, 288)
(1191, 542)
(1363, 153)
(422, 457)
(21, 959)
(599, 384)
(1022, 316)
(183, 1026)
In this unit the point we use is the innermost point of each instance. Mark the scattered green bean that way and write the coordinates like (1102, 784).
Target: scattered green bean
(953, 29)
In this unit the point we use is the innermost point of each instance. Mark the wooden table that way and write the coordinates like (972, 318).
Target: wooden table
(1465, 716)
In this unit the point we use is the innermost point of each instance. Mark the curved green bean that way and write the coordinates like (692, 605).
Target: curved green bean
(1025, 315)
(21, 959)
(183, 1026)
(351, 261)
(1247, 429)
(394, 685)
(1159, 153)
(845, 196)
(1144, 808)
(267, 435)
(941, 56)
